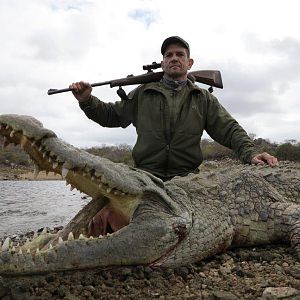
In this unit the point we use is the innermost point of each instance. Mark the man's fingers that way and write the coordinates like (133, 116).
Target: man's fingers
(272, 161)
(85, 84)
(257, 161)
(262, 158)
(79, 87)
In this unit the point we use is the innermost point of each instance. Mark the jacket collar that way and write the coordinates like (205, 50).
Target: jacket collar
(159, 87)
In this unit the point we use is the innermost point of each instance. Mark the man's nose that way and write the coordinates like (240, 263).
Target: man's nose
(174, 58)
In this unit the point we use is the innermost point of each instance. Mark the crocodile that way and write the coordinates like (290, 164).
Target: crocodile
(166, 224)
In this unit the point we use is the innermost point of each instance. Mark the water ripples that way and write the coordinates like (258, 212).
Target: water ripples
(30, 205)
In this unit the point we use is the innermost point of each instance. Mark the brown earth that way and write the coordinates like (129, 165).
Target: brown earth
(18, 172)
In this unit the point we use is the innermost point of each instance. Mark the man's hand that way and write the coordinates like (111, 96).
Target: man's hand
(264, 157)
(81, 90)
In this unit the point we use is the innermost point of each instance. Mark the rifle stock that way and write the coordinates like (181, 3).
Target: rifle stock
(209, 77)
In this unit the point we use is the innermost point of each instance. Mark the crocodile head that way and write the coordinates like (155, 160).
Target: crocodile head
(152, 224)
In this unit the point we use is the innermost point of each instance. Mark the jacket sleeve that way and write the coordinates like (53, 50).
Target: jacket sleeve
(224, 129)
(118, 114)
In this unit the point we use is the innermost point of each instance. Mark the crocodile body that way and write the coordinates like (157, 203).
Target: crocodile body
(170, 223)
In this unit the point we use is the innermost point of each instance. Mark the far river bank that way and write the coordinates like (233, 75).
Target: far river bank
(19, 172)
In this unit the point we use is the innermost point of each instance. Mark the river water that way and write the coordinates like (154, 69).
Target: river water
(31, 205)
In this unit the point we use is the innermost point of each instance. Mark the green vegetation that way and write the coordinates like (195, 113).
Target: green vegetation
(289, 150)
(120, 153)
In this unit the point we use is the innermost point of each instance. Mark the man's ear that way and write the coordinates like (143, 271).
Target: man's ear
(162, 64)
(191, 62)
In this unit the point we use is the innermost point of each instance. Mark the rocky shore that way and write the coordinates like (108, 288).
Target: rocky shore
(270, 272)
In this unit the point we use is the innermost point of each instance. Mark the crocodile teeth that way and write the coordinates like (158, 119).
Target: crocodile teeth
(44, 230)
(36, 172)
(12, 133)
(64, 172)
(108, 190)
(103, 179)
(50, 246)
(23, 142)
(72, 188)
(55, 165)
(6, 244)
(60, 240)
(7, 127)
(6, 142)
(70, 236)
(28, 251)
(20, 252)
(81, 237)
(97, 174)
(13, 249)
(33, 143)
(37, 251)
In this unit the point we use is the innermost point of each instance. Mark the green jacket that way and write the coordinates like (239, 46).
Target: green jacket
(166, 148)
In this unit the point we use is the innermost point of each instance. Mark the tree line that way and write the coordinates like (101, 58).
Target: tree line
(289, 150)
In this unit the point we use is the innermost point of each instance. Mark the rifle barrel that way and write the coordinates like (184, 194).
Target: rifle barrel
(57, 91)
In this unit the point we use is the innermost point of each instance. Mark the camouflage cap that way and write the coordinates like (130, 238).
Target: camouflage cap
(173, 40)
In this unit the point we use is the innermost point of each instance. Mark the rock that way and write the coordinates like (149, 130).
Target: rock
(17, 294)
(125, 272)
(71, 297)
(264, 283)
(168, 272)
(225, 270)
(221, 295)
(61, 291)
(182, 271)
(295, 272)
(3, 289)
(50, 278)
(286, 293)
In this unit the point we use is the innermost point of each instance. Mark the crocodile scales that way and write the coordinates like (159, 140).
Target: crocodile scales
(170, 223)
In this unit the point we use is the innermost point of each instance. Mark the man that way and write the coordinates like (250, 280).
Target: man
(170, 117)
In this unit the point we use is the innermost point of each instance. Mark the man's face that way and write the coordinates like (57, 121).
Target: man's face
(176, 62)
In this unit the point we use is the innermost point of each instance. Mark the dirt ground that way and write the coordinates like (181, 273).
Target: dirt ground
(270, 272)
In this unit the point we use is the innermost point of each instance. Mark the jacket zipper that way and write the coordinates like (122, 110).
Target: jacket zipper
(166, 124)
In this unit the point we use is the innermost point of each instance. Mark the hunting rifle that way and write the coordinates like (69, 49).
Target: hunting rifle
(209, 77)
